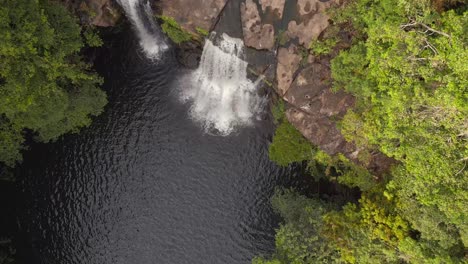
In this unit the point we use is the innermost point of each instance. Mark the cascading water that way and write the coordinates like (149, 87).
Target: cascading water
(222, 96)
(151, 39)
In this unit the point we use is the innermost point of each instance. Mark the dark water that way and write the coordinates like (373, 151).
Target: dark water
(144, 184)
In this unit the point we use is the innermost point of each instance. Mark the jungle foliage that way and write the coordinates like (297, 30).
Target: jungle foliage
(407, 68)
(45, 85)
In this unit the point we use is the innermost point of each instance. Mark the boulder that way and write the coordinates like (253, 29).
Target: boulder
(256, 35)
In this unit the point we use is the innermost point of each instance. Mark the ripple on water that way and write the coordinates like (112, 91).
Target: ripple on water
(144, 184)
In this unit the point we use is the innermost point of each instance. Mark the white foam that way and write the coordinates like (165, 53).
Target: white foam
(222, 96)
(152, 43)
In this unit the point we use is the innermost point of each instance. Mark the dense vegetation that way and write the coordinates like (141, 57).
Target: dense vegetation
(177, 34)
(407, 68)
(45, 86)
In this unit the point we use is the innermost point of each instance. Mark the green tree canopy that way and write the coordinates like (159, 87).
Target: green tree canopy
(44, 84)
(410, 77)
(407, 68)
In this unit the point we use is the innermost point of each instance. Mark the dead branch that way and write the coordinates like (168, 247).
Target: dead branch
(435, 31)
(430, 46)
(428, 28)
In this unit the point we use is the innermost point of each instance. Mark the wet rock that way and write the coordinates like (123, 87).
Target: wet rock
(288, 63)
(194, 13)
(101, 13)
(275, 6)
(256, 35)
(189, 54)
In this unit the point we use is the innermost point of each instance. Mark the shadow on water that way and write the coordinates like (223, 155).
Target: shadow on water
(144, 184)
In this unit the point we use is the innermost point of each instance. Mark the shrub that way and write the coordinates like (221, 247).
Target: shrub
(174, 31)
(289, 145)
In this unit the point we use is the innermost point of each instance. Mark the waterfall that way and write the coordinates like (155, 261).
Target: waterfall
(222, 96)
(151, 39)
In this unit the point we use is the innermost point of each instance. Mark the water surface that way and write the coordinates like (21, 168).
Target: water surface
(144, 184)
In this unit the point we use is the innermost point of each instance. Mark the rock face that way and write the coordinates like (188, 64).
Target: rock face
(194, 13)
(256, 35)
(101, 13)
(288, 63)
(311, 21)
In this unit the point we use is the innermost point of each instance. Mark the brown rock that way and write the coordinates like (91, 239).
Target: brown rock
(308, 30)
(311, 92)
(304, 93)
(306, 7)
(276, 6)
(194, 13)
(256, 35)
(311, 20)
(335, 104)
(288, 63)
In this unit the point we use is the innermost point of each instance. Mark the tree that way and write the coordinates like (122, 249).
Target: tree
(288, 144)
(298, 240)
(410, 77)
(45, 86)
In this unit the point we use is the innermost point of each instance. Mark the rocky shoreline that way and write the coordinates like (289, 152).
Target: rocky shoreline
(277, 34)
